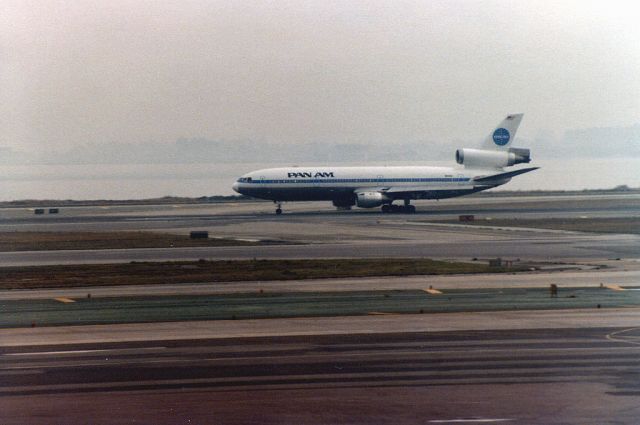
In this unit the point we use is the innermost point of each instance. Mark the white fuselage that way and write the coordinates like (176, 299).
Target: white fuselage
(340, 183)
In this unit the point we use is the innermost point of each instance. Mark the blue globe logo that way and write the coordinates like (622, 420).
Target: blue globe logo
(501, 136)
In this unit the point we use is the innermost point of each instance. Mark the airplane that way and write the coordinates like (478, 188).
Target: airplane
(380, 186)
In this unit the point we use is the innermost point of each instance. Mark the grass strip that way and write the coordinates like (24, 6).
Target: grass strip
(267, 305)
(45, 241)
(140, 273)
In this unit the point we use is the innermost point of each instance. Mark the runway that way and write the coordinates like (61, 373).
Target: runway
(531, 206)
(461, 245)
(319, 231)
(536, 376)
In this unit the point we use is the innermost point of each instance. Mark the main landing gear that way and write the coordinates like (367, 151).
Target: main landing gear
(278, 207)
(407, 208)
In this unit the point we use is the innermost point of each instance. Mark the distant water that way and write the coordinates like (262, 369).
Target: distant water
(134, 181)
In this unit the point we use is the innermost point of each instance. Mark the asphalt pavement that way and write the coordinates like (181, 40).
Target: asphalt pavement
(536, 376)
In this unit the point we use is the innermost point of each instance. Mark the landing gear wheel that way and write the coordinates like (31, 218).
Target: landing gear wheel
(386, 208)
(278, 211)
(396, 208)
(410, 209)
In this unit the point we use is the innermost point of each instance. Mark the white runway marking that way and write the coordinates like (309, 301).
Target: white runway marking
(48, 353)
(619, 336)
(473, 421)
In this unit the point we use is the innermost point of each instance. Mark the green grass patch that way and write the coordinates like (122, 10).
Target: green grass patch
(104, 310)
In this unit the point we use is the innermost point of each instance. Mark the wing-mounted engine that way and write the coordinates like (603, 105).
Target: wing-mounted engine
(371, 199)
(498, 159)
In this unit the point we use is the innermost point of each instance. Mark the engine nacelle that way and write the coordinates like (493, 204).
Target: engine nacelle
(370, 199)
(483, 158)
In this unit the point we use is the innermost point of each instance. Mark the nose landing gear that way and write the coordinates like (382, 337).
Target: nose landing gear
(278, 207)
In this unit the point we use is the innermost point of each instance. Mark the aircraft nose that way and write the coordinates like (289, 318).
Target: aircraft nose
(235, 187)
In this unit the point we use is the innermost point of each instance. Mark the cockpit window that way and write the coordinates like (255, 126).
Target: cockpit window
(244, 180)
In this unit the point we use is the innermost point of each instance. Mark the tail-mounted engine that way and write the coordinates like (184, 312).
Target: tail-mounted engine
(498, 159)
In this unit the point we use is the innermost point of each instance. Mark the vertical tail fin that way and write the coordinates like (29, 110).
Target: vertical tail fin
(502, 136)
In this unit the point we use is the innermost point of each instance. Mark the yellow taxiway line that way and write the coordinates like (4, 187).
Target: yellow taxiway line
(615, 287)
(64, 300)
(432, 291)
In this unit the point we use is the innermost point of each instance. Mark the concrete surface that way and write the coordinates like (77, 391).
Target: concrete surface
(437, 322)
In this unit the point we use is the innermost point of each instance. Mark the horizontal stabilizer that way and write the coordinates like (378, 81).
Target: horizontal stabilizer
(506, 175)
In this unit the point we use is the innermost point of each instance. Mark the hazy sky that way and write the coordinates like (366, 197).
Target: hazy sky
(78, 72)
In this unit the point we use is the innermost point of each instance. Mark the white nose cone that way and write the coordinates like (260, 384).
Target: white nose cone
(235, 187)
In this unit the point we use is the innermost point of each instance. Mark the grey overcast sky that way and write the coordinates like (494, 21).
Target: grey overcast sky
(79, 72)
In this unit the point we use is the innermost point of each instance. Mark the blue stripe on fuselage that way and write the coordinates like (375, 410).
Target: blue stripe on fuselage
(375, 180)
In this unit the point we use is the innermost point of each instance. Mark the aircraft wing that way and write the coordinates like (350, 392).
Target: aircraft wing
(425, 192)
(419, 189)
